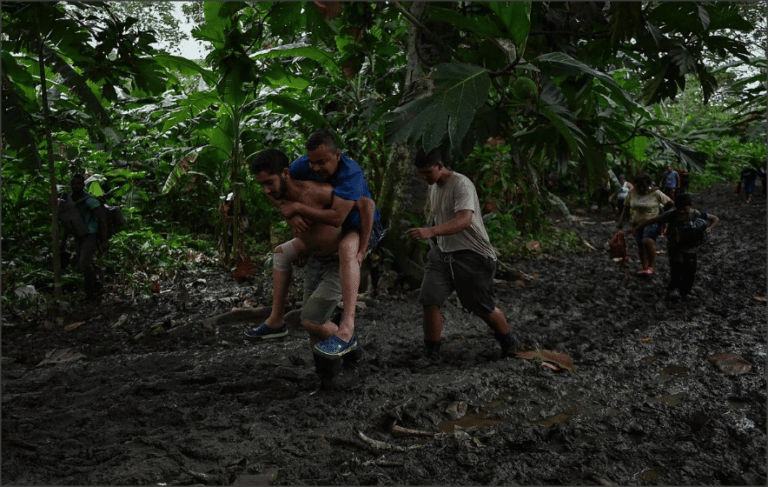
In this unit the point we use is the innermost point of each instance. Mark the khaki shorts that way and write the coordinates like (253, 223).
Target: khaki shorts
(322, 288)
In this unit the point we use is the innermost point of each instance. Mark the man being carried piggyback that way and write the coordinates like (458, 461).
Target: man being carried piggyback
(350, 207)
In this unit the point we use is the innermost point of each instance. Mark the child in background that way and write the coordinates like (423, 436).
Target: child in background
(687, 230)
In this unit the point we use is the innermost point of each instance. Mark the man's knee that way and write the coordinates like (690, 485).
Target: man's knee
(284, 256)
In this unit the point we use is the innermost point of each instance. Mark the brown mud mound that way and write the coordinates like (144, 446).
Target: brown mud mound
(644, 404)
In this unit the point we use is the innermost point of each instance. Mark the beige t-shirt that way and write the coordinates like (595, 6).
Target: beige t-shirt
(458, 193)
(645, 207)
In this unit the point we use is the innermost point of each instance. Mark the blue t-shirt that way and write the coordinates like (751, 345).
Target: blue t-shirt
(348, 183)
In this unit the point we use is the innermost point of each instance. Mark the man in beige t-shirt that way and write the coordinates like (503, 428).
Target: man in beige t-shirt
(463, 259)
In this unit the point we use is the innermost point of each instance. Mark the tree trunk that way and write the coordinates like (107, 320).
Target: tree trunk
(51, 168)
(403, 193)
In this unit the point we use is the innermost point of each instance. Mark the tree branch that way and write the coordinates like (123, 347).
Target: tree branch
(426, 31)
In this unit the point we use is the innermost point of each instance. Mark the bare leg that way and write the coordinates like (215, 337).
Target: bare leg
(498, 322)
(650, 252)
(318, 332)
(280, 282)
(281, 279)
(433, 323)
(349, 274)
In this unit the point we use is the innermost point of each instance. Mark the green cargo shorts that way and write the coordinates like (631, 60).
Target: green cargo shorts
(322, 288)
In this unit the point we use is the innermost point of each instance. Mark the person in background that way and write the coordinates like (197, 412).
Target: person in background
(621, 195)
(683, 239)
(748, 177)
(91, 233)
(462, 258)
(642, 204)
(670, 182)
(685, 180)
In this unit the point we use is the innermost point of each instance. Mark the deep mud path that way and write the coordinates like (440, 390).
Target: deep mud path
(201, 406)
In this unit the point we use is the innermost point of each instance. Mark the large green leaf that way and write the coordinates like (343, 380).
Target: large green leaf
(459, 90)
(292, 106)
(515, 17)
(186, 67)
(323, 57)
(277, 75)
(181, 168)
(560, 63)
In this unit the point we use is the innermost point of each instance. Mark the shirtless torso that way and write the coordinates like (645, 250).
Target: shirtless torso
(321, 239)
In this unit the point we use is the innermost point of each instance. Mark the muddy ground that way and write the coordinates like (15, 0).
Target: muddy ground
(193, 405)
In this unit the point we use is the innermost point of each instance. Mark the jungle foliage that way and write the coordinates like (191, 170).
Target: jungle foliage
(510, 92)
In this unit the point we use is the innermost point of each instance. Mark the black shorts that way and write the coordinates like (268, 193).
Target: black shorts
(468, 273)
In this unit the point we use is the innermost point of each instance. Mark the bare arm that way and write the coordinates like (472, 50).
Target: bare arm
(366, 207)
(715, 220)
(461, 221)
(333, 216)
(643, 225)
(298, 223)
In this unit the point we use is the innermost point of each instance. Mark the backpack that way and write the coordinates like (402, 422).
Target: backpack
(691, 232)
(73, 224)
(618, 246)
(70, 218)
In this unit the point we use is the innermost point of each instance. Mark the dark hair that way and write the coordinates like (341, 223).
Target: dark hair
(270, 161)
(320, 137)
(77, 175)
(429, 159)
(682, 200)
(643, 180)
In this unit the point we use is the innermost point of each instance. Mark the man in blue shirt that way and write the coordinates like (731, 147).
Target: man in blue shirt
(324, 162)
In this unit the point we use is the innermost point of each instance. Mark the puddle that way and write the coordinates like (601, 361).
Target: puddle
(480, 419)
(648, 476)
(559, 418)
(672, 399)
(468, 422)
(673, 371)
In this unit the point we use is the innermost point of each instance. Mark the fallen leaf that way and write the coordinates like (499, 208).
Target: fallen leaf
(457, 410)
(730, 363)
(154, 287)
(761, 299)
(644, 340)
(550, 366)
(533, 245)
(560, 359)
(61, 356)
(559, 418)
(73, 326)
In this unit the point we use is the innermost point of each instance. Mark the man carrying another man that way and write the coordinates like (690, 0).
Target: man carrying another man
(324, 197)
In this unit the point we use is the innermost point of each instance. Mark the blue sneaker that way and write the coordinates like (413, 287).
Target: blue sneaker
(335, 347)
(264, 332)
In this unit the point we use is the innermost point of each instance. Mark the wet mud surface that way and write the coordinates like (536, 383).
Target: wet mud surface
(192, 405)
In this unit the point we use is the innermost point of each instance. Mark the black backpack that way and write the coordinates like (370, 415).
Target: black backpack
(690, 232)
(75, 225)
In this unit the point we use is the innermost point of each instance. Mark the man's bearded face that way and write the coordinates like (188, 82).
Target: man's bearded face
(273, 184)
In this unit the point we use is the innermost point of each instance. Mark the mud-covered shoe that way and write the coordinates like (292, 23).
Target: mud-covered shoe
(355, 358)
(264, 332)
(335, 346)
(509, 344)
(432, 350)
